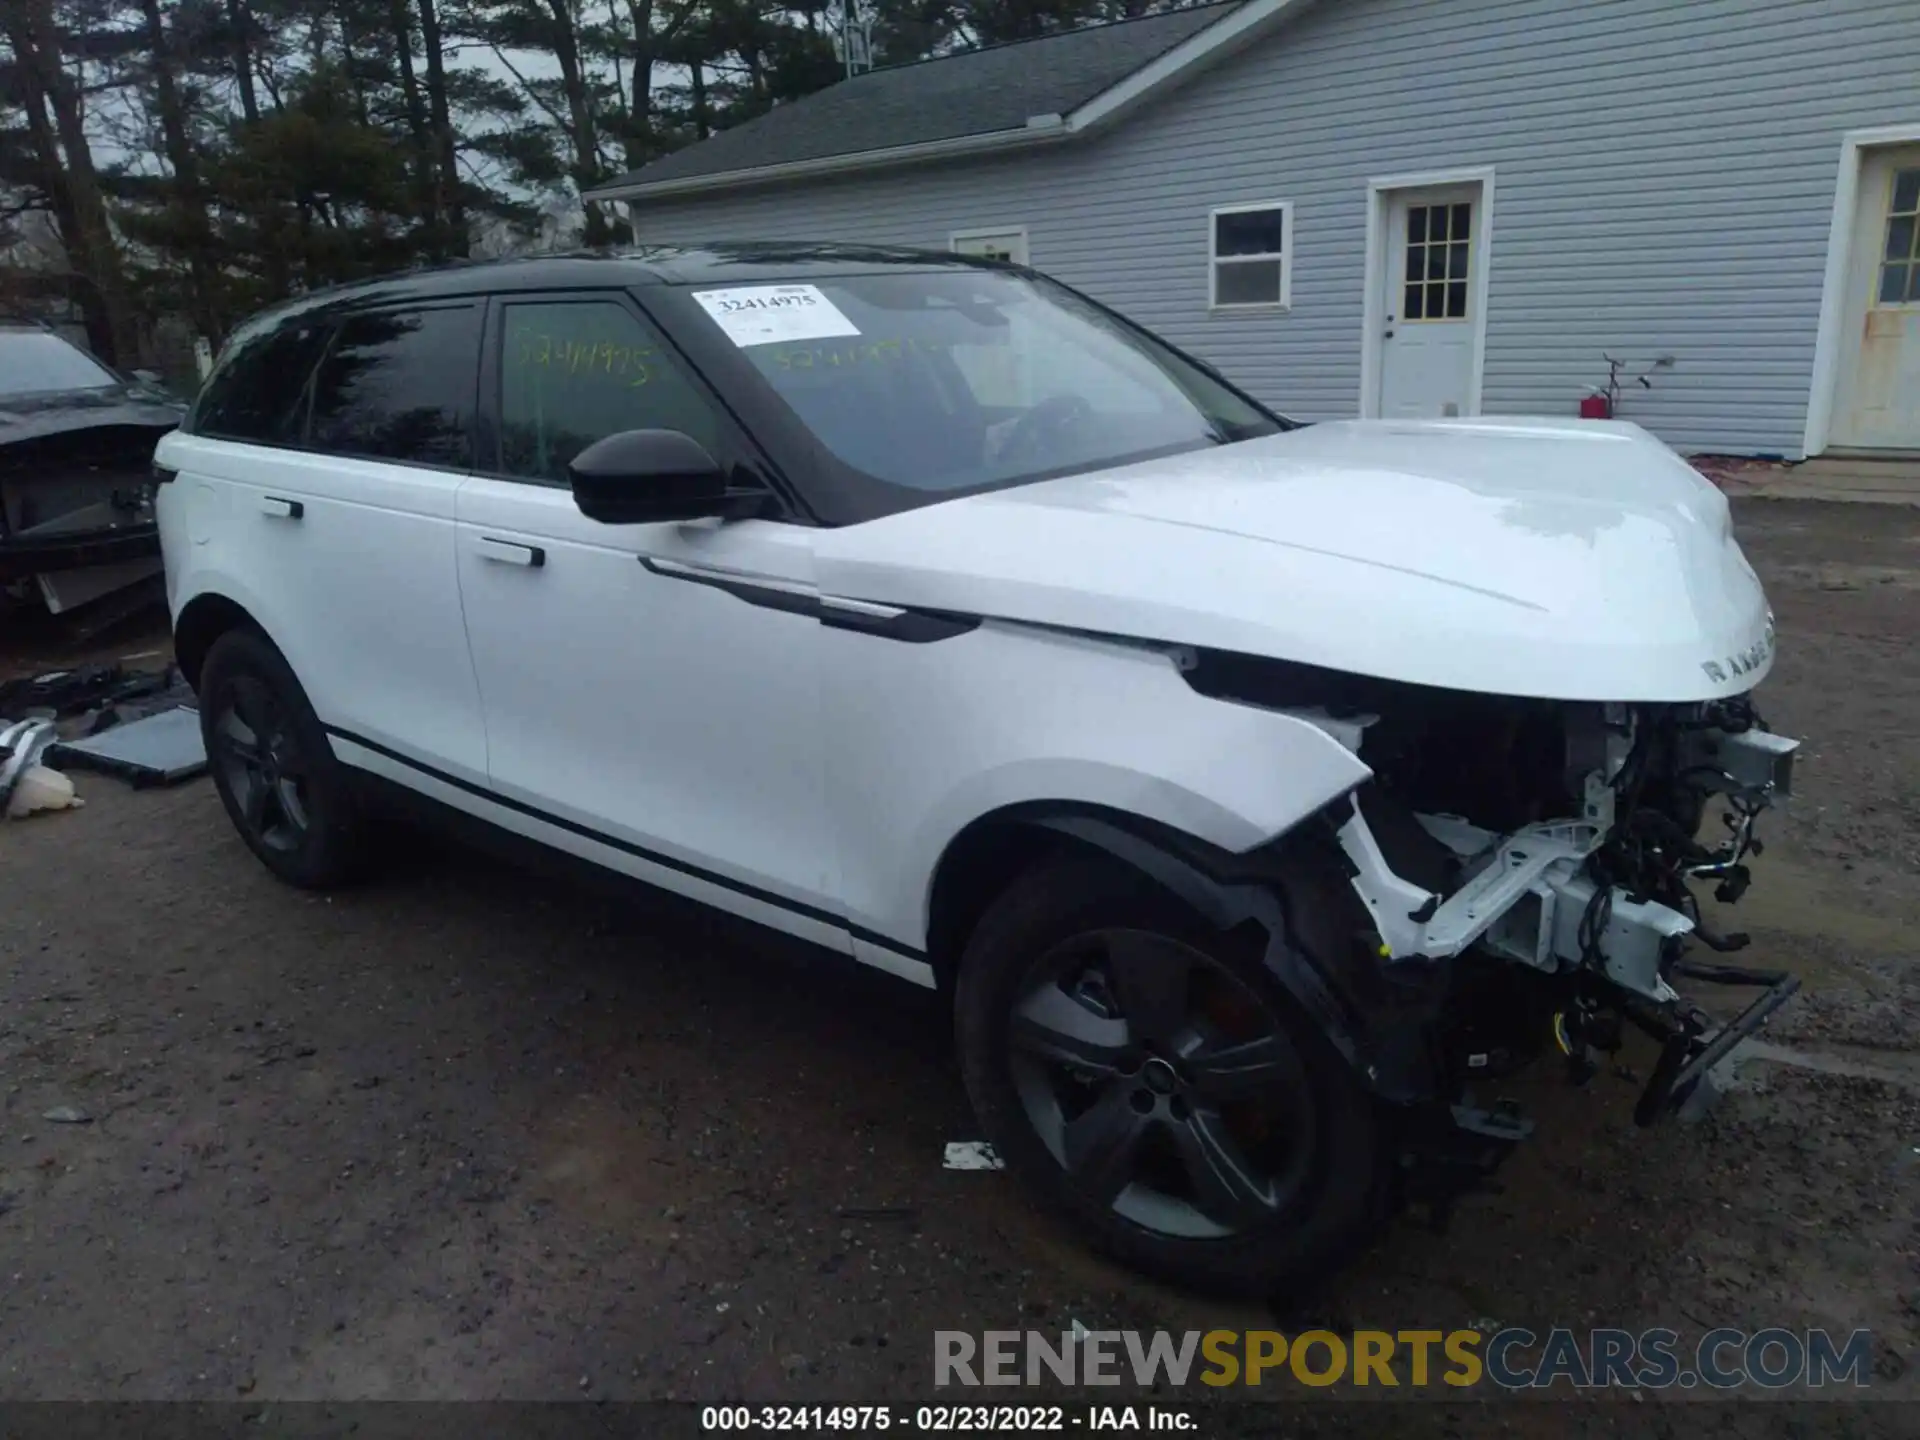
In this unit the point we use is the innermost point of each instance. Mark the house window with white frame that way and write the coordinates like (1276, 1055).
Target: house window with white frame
(1250, 256)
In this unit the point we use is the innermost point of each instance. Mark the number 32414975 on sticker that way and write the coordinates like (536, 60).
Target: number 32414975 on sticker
(772, 314)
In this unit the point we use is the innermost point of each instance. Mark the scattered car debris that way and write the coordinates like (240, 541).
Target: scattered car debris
(972, 1155)
(26, 785)
(38, 789)
(22, 742)
(59, 691)
(66, 1115)
(66, 711)
(161, 749)
(101, 695)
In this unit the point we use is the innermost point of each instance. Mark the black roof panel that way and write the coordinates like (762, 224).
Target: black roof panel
(734, 262)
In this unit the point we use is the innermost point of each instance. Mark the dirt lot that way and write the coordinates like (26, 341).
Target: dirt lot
(470, 1134)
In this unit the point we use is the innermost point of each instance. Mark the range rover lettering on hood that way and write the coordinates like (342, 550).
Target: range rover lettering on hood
(1754, 660)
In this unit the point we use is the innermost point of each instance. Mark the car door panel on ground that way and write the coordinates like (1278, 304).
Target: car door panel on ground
(345, 519)
(662, 723)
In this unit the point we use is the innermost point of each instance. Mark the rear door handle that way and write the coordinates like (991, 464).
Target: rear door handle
(281, 508)
(509, 552)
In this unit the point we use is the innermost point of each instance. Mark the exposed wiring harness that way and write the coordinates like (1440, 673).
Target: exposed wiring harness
(1649, 853)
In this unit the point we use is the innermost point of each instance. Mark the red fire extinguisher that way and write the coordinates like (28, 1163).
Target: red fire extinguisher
(1600, 404)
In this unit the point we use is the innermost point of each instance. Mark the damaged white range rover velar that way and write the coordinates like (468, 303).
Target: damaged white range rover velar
(1252, 790)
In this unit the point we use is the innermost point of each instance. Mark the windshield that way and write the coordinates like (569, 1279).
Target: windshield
(36, 362)
(968, 379)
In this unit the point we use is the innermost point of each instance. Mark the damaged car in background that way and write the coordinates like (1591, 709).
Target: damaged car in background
(1255, 794)
(76, 480)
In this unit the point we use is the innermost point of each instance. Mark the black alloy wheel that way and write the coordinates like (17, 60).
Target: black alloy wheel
(259, 757)
(286, 794)
(1163, 1085)
(1149, 1076)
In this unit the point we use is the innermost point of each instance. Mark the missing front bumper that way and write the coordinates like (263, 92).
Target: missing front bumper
(1580, 903)
(1529, 901)
(1691, 1046)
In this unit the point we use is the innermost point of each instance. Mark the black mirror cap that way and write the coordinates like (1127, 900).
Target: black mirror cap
(641, 477)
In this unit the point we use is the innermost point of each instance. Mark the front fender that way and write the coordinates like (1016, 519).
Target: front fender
(1011, 715)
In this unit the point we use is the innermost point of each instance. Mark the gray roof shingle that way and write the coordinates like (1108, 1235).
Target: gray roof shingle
(975, 92)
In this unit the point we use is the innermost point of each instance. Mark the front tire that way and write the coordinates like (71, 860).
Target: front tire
(276, 774)
(1147, 1075)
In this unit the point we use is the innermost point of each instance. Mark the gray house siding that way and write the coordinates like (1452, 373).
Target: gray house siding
(1664, 184)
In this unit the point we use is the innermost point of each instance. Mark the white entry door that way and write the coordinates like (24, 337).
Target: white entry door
(1878, 400)
(1434, 254)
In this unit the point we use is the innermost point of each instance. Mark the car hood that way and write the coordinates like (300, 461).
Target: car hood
(1578, 561)
(26, 418)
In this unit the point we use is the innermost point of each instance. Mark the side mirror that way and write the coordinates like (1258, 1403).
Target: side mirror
(644, 477)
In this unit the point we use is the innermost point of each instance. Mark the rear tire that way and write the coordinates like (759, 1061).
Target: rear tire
(1146, 1075)
(276, 774)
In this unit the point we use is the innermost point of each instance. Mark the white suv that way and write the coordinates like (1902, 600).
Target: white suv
(1252, 789)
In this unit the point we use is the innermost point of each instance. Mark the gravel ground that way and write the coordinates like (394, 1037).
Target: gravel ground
(472, 1134)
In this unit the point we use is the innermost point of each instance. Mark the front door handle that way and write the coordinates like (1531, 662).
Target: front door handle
(509, 552)
(280, 508)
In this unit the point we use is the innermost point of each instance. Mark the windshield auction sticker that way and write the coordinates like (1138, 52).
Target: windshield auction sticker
(769, 314)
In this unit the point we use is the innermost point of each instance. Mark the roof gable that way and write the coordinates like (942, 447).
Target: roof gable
(1027, 92)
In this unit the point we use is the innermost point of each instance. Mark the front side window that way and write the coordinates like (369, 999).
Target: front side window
(40, 362)
(573, 372)
(965, 379)
(259, 393)
(399, 385)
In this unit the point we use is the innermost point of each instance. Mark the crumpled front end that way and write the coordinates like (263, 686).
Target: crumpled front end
(1600, 900)
(76, 505)
(1519, 876)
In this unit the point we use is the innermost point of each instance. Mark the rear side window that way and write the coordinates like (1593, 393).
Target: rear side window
(399, 385)
(259, 393)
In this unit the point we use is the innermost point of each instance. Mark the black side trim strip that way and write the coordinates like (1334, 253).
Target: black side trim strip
(765, 596)
(639, 852)
(915, 627)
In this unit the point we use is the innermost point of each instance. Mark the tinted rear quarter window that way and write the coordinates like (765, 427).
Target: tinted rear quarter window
(259, 393)
(399, 385)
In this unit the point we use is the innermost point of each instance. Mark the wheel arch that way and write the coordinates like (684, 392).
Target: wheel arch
(1264, 888)
(202, 621)
(981, 860)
